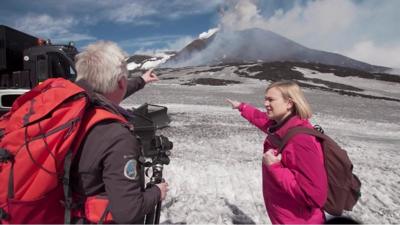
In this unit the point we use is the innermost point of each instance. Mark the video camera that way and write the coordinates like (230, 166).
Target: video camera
(147, 119)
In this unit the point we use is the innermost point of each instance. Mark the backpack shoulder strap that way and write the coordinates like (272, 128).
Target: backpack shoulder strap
(94, 116)
(301, 130)
(100, 114)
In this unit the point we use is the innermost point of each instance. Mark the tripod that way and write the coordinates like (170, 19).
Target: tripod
(156, 178)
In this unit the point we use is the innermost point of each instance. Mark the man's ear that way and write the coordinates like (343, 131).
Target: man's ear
(121, 82)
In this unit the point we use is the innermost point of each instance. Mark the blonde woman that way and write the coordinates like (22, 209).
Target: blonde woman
(294, 182)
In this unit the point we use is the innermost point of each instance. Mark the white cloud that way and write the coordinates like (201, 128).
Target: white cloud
(340, 26)
(137, 12)
(241, 15)
(150, 41)
(143, 12)
(131, 12)
(315, 22)
(174, 9)
(370, 52)
(45, 26)
(154, 45)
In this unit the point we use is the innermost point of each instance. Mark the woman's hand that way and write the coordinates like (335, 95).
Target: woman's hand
(271, 157)
(234, 104)
(149, 76)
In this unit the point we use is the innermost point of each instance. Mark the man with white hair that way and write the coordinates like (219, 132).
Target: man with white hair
(104, 173)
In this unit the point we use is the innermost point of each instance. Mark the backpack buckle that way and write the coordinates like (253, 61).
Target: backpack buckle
(3, 214)
(6, 156)
(2, 132)
(319, 128)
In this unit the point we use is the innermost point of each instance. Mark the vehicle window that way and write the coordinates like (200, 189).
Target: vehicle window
(60, 66)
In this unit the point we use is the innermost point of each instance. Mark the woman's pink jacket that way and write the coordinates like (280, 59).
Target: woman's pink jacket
(295, 189)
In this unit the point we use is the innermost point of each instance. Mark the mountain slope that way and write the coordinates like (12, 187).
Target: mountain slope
(255, 45)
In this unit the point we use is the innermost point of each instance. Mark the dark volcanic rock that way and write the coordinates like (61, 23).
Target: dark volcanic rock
(138, 59)
(211, 81)
(278, 71)
(211, 70)
(283, 70)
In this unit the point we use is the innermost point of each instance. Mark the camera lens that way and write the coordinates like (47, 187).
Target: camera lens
(164, 143)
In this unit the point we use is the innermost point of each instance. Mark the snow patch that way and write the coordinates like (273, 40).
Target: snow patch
(208, 34)
(132, 66)
(159, 58)
(376, 88)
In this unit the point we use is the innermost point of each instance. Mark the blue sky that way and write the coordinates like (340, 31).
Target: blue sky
(366, 30)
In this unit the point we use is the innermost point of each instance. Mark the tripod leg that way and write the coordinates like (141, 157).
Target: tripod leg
(158, 213)
(154, 216)
(150, 218)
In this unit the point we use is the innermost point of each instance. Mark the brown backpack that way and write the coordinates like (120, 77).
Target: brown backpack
(344, 186)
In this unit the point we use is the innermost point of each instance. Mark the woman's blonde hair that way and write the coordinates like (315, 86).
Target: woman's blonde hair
(291, 90)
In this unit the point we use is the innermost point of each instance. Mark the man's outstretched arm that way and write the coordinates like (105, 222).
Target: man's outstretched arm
(137, 83)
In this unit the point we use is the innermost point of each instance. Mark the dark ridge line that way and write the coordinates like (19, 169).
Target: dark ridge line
(211, 82)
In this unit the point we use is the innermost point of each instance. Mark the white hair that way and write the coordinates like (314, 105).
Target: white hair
(102, 64)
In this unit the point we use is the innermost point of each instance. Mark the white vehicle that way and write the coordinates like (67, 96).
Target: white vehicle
(8, 96)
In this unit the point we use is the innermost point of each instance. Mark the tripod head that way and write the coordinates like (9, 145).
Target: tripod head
(147, 119)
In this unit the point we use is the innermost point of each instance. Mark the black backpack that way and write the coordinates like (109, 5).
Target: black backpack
(344, 186)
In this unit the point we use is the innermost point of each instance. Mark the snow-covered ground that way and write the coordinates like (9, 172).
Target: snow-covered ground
(215, 169)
